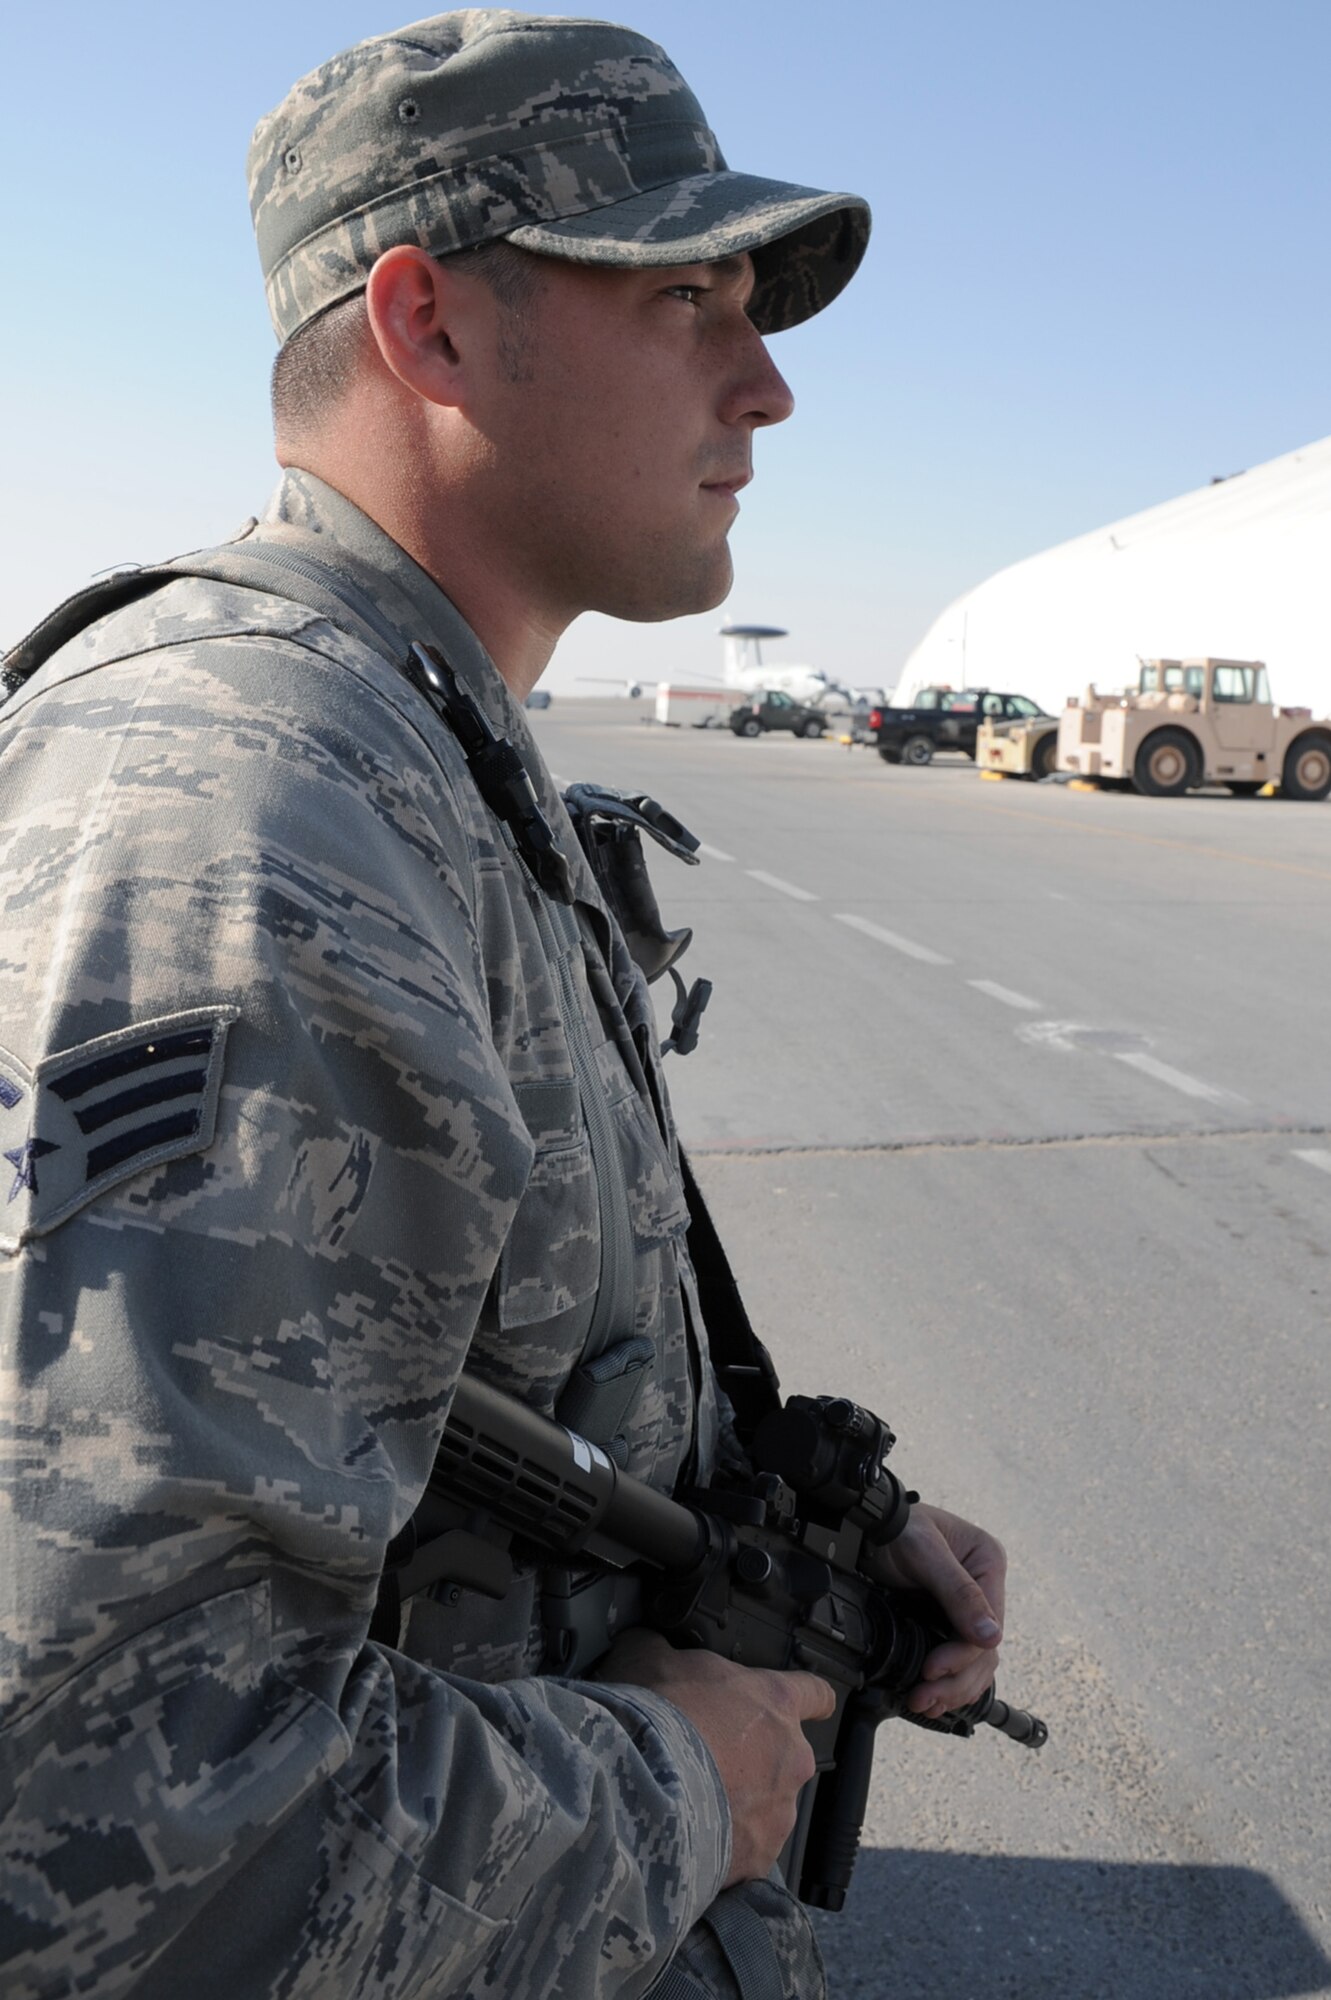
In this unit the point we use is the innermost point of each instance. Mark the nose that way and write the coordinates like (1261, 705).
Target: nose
(759, 394)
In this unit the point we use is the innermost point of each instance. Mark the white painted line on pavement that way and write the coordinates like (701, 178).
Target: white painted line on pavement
(911, 949)
(1191, 1086)
(1059, 1035)
(1003, 993)
(713, 853)
(786, 888)
(1316, 1159)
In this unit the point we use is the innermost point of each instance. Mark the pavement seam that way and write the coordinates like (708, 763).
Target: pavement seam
(1202, 1135)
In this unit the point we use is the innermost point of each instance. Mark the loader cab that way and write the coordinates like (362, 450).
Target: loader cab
(1166, 677)
(1240, 705)
(1239, 681)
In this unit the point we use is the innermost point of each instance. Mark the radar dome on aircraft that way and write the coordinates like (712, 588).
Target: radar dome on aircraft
(742, 649)
(743, 666)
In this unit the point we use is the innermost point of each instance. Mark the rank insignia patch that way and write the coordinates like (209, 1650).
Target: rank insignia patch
(94, 1115)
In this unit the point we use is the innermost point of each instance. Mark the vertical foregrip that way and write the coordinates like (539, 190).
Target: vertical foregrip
(839, 1807)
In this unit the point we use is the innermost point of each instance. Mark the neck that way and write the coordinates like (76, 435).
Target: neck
(442, 539)
(433, 520)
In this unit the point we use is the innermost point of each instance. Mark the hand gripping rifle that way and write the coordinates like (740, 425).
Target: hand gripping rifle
(775, 1573)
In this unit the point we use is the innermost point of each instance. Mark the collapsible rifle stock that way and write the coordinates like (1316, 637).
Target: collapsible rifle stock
(777, 1573)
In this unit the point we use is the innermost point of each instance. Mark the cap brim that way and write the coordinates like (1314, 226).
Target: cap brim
(806, 245)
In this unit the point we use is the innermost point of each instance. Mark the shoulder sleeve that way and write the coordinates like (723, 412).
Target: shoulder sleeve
(226, 1372)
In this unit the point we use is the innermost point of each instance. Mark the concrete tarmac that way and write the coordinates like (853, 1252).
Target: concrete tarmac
(1013, 1105)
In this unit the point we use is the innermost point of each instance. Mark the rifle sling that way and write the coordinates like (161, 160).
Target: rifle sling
(742, 1363)
(746, 1945)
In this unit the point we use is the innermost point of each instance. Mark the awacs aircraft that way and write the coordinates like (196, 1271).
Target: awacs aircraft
(742, 670)
(742, 667)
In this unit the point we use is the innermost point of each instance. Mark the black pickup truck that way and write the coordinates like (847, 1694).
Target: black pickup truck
(940, 719)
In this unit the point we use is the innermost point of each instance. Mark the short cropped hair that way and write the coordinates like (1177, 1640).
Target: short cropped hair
(315, 368)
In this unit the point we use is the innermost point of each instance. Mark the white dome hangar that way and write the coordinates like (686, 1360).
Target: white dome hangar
(1240, 569)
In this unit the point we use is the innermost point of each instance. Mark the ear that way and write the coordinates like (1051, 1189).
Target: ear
(427, 322)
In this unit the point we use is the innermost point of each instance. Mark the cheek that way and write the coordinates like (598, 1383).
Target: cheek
(622, 440)
(622, 460)
(641, 414)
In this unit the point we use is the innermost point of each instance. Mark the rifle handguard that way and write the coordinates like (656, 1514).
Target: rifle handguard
(769, 1575)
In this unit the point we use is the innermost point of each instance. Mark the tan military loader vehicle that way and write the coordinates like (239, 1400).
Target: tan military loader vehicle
(1197, 722)
(1027, 748)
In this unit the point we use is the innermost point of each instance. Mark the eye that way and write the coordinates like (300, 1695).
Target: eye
(690, 294)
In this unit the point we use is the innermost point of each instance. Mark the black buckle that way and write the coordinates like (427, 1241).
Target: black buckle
(687, 1013)
(502, 779)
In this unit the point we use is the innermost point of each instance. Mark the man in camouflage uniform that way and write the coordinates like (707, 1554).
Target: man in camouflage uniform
(310, 1094)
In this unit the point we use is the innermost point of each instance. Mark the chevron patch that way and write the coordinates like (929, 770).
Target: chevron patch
(98, 1114)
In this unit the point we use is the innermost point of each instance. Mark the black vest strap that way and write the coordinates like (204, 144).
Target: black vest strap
(302, 578)
(254, 565)
(94, 601)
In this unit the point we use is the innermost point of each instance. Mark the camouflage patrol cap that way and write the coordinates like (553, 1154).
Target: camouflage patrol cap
(572, 138)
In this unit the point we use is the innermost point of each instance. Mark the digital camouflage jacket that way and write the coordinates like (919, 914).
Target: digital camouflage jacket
(291, 1131)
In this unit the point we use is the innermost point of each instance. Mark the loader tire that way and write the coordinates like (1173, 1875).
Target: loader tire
(1167, 764)
(1307, 771)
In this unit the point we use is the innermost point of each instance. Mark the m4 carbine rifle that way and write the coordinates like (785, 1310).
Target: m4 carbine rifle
(775, 1573)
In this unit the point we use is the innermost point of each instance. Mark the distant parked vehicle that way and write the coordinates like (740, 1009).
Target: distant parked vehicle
(1024, 748)
(773, 709)
(941, 719)
(538, 698)
(1197, 722)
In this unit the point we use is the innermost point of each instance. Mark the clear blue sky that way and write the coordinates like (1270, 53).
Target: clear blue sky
(1099, 276)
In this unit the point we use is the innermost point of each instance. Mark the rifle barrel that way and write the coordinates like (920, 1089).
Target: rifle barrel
(1017, 1724)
